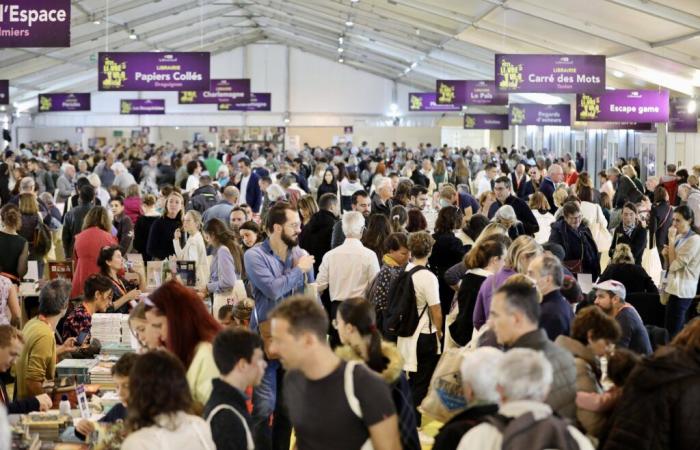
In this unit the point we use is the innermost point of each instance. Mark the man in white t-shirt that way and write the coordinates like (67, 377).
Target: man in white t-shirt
(490, 173)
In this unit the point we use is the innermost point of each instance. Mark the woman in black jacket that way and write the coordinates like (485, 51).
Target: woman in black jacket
(660, 219)
(630, 232)
(162, 232)
(623, 269)
(448, 250)
(581, 251)
(328, 185)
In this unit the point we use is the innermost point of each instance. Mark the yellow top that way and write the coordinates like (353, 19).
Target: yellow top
(201, 372)
(38, 359)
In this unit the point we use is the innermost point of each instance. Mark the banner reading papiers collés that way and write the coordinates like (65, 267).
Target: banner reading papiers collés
(34, 23)
(151, 71)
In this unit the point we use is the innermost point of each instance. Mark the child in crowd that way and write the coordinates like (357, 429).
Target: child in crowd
(620, 365)
(237, 315)
(225, 315)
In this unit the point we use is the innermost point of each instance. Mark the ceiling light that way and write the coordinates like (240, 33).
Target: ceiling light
(340, 40)
(406, 70)
(340, 49)
(618, 74)
(96, 21)
(349, 23)
(413, 66)
(394, 107)
(132, 35)
(341, 60)
(286, 120)
(354, 1)
(692, 106)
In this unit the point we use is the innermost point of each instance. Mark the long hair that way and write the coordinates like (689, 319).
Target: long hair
(686, 213)
(189, 322)
(359, 313)
(157, 385)
(98, 217)
(28, 204)
(182, 207)
(399, 218)
(378, 228)
(105, 256)
(224, 236)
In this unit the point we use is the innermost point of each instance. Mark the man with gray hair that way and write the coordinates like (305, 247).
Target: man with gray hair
(556, 314)
(222, 210)
(348, 269)
(37, 362)
(691, 197)
(523, 380)
(65, 184)
(478, 371)
(381, 200)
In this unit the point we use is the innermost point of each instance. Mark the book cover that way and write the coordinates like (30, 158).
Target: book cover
(60, 269)
(186, 273)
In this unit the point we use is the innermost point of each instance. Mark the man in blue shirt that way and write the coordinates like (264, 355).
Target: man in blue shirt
(277, 269)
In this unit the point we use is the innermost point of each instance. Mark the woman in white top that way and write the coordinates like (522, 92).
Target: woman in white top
(348, 186)
(8, 302)
(194, 170)
(593, 214)
(540, 209)
(194, 249)
(160, 407)
(421, 351)
(683, 255)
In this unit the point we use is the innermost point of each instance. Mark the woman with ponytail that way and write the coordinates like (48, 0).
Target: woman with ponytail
(399, 219)
(227, 264)
(357, 328)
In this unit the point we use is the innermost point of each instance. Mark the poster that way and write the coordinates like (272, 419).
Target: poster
(623, 105)
(259, 101)
(60, 102)
(151, 71)
(142, 106)
(427, 101)
(559, 74)
(232, 90)
(469, 92)
(537, 114)
(35, 23)
(486, 121)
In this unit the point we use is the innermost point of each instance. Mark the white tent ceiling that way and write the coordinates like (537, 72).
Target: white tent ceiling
(649, 44)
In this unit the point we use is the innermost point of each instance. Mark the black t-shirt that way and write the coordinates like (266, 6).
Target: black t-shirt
(320, 412)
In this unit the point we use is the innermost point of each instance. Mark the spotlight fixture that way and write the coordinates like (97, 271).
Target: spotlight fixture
(340, 40)
(340, 49)
(341, 60)
(348, 23)
(132, 35)
(618, 74)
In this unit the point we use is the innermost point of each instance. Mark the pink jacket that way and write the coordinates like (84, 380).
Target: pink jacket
(132, 208)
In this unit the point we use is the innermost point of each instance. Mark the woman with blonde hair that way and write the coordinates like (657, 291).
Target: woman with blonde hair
(523, 250)
(194, 249)
(631, 172)
(29, 209)
(541, 210)
(307, 207)
(560, 196)
(623, 269)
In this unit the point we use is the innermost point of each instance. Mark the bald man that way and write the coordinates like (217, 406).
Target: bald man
(555, 175)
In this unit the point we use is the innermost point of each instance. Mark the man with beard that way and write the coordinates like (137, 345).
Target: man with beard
(276, 269)
(360, 203)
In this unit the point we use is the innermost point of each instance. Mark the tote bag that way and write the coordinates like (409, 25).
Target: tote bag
(651, 262)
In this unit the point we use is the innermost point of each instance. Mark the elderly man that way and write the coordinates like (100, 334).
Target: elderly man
(37, 362)
(610, 297)
(691, 197)
(381, 200)
(556, 313)
(514, 317)
(504, 196)
(347, 270)
(555, 175)
(523, 379)
(478, 370)
(65, 184)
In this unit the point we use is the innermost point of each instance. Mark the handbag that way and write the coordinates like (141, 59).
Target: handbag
(445, 397)
(651, 262)
(602, 237)
(576, 265)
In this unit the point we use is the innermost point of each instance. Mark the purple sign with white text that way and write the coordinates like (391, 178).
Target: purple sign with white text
(623, 105)
(680, 120)
(142, 106)
(536, 114)
(64, 102)
(259, 101)
(469, 92)
(563, 74)
(35, 23)
(486, 121)
(220, 90)
(150, 71)
(426, 101)
(636, 126)
(4, 92)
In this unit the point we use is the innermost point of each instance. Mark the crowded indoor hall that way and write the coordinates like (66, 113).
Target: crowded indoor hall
(349, 224)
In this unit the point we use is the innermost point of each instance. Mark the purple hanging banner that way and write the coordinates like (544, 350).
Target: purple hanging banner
(35, 23)
(4, 92)
(636, 126)
(426, 101)
(486, 121)
(680, 120)
(64, 102)
(468, 92)
(536, 114)
(623, 105)
(259, 101)
(150, 71)
(142, 106)
(231, 90)
(563, 74)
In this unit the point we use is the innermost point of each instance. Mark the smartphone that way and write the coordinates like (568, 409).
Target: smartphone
(81, 338)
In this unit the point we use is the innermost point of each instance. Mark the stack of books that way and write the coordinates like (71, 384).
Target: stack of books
(107, 327)
(78, 369)
(102, 374)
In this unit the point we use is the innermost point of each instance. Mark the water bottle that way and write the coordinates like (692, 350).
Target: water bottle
(64, 406)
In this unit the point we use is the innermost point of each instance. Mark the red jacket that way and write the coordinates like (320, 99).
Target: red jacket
(86, 249)
(132, 208)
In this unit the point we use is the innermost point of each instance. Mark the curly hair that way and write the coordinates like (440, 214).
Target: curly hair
(595, 321)
(157, 385)
(420, 244)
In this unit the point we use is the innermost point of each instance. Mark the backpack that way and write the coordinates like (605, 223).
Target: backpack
(401, 315)
(527, 433)
(203, 201)
(42, 238)
(353, 401)
(250, 444)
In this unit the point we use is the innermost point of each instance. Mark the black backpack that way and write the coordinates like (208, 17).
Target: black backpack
(401, 316)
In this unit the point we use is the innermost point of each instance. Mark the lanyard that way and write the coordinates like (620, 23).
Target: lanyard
(682, 239)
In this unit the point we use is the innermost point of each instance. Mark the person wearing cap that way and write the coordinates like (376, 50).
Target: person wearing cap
(610, 297)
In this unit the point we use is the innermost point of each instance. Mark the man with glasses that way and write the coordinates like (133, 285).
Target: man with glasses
(360, 203)
(276, 269)
(504, 196)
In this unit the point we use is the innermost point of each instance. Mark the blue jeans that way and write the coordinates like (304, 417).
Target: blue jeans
(268, 401)
(676, 311)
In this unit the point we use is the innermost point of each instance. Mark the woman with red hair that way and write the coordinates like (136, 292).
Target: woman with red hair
(183, 325)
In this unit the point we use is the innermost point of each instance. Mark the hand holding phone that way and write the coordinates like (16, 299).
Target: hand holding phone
(81, 338)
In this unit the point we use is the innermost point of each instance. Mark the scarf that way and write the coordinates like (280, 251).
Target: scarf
(389, 261)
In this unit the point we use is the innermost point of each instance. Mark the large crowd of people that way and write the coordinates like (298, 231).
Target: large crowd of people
(333, 286)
